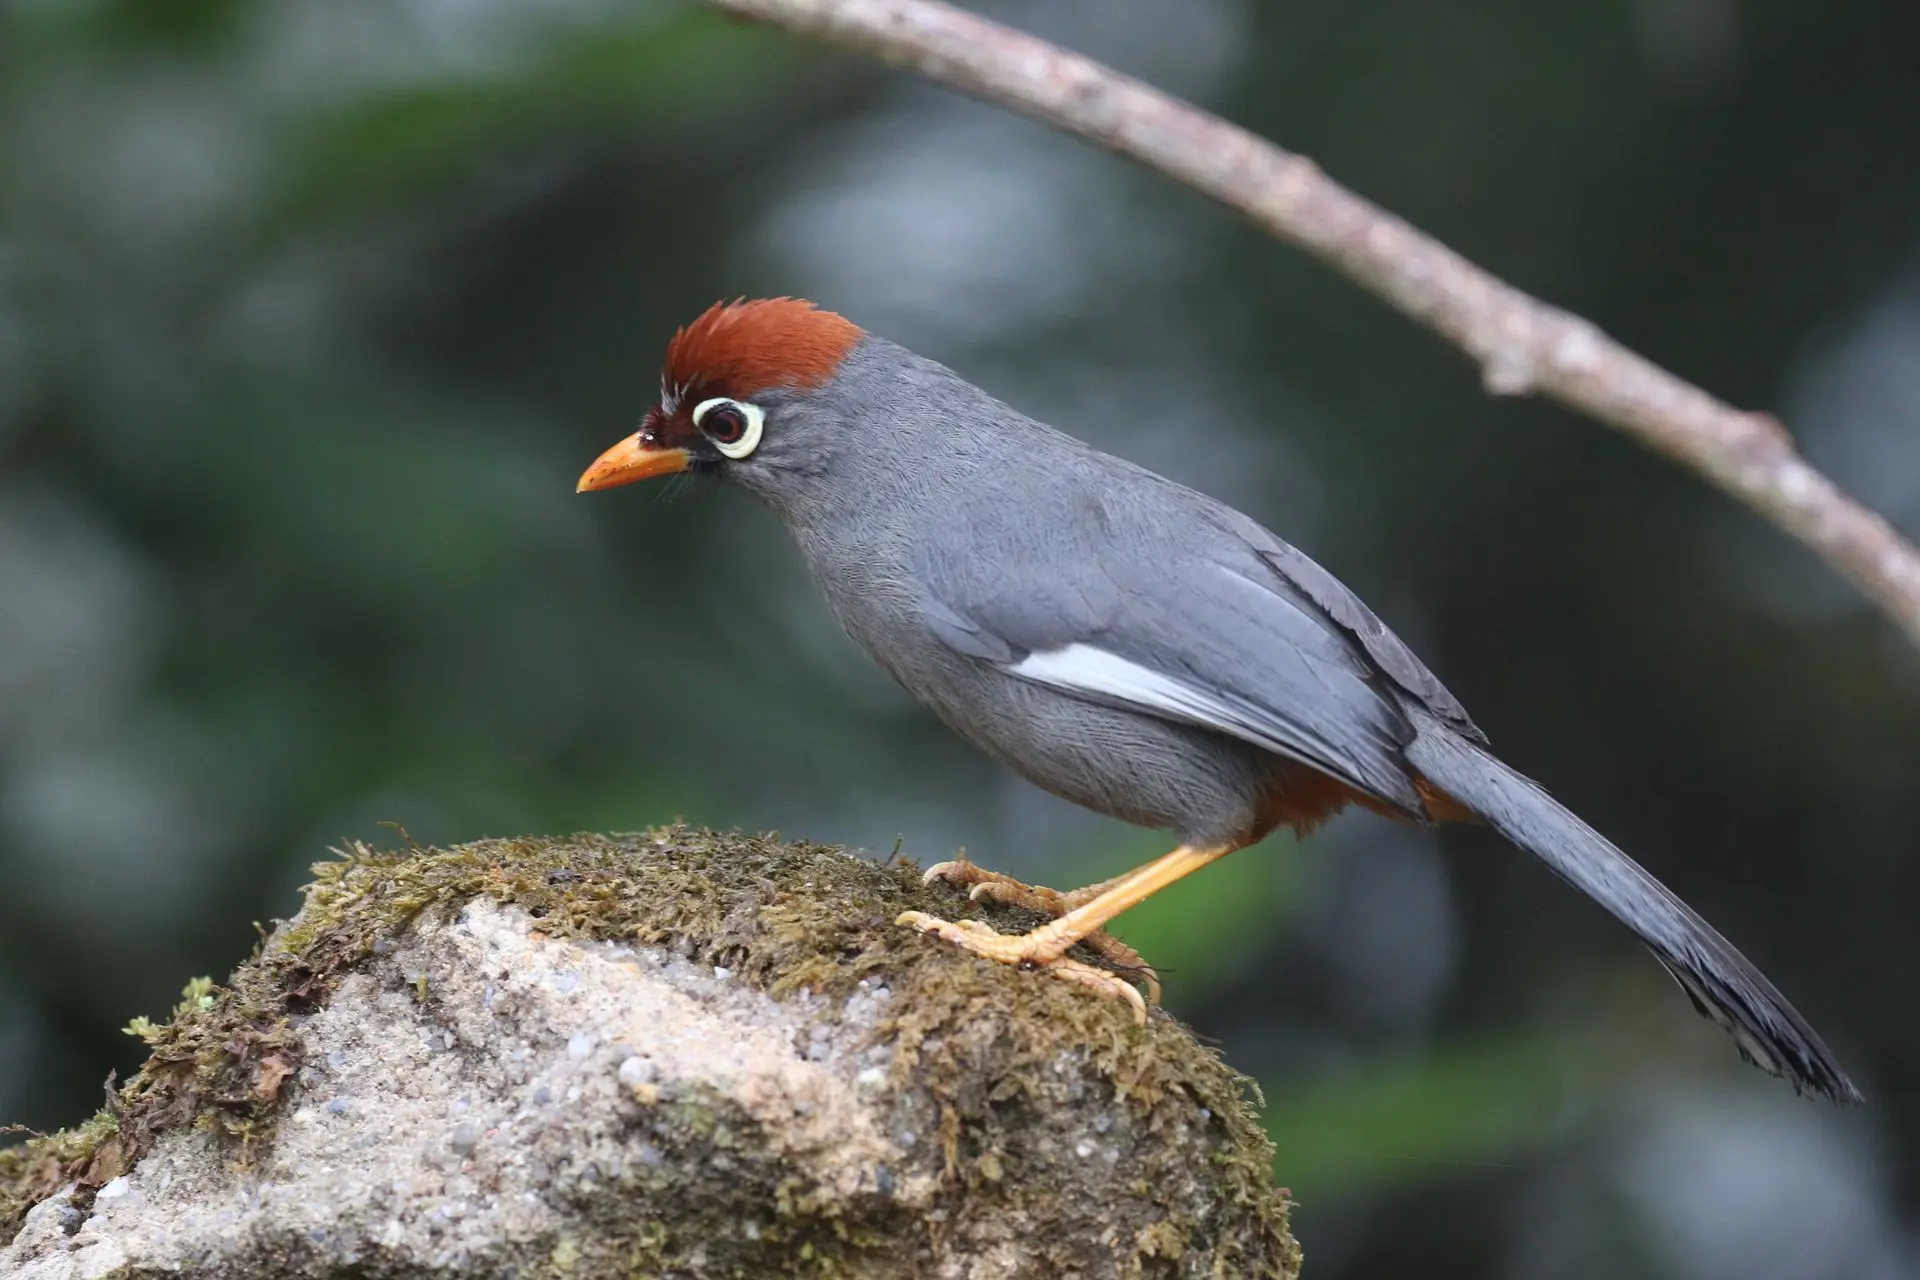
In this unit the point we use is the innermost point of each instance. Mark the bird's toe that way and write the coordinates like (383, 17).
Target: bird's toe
(1031, 949)
(973, 935)
(1118, 955)
(1011, 893)
(1103, 984)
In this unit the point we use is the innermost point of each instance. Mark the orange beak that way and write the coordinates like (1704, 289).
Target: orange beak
(629, 461)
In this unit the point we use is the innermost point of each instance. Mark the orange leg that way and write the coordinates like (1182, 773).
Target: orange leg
(1046, 947)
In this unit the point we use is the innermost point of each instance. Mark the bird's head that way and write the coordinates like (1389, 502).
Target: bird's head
(735, 394)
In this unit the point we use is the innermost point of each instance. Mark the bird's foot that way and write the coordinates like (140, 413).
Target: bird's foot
(982, 884)
(1030, 950)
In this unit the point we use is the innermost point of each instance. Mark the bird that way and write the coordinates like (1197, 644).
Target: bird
(1122, 641)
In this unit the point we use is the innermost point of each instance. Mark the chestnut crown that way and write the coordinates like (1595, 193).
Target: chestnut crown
(715, 367)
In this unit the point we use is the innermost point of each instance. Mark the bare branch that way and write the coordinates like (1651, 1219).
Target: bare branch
(1523, 345)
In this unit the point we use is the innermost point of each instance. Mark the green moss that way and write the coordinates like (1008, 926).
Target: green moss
(219, 1062)
(91, 1153)
(983, 1042)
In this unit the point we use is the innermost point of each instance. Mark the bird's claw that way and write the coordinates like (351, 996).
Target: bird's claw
(1027, 951)
(959, 872)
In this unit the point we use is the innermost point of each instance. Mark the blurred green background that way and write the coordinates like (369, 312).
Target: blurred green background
(310, 315)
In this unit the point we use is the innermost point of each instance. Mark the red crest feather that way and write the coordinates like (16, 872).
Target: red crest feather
(743, 347)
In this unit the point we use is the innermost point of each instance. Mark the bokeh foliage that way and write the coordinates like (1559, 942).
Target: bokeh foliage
(309, 316)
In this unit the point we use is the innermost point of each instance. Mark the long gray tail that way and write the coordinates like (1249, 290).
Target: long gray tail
(1722, 983)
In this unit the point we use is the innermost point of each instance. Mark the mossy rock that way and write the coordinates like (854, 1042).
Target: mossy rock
(1057, 1131)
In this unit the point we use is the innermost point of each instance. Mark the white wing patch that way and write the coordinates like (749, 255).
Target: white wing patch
(1081, 668)
(1085, 669)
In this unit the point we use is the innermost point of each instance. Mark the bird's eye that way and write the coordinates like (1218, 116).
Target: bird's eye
(733, 425)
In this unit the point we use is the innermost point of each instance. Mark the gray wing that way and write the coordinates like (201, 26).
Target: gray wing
(1351, 615)
(1187, 611)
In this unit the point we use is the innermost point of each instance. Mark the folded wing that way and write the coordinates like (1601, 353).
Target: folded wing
(1241, 634)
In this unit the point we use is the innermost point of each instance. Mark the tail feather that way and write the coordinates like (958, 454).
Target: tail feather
(1723, 984)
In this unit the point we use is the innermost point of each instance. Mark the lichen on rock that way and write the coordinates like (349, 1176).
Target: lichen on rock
(671, 1054)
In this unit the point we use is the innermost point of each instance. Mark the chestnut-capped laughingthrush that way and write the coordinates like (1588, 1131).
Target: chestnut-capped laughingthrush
(1122, 641)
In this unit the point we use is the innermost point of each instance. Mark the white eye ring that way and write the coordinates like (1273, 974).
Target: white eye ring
(749, 436)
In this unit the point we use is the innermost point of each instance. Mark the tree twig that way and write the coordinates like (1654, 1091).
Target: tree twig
(1522, 345)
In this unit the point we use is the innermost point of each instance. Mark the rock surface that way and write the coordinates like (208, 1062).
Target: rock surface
(672, 1055)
